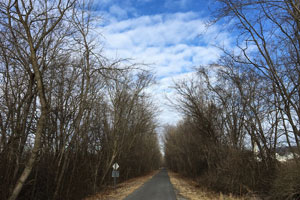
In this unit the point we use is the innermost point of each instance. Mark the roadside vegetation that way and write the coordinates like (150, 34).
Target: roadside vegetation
(189, 189)
(239, 111)
(66, 112)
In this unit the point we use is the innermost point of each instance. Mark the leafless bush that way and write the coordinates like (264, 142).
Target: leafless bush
(287, 182)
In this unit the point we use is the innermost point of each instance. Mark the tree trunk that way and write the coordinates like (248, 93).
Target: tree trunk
(41, 122)
(27, 170)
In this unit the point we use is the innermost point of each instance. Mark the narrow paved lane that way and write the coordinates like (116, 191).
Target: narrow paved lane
(157, 188)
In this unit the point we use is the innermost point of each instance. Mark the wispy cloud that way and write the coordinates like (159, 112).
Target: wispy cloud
(172, 43)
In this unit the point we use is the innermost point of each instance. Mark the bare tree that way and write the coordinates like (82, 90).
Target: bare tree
(30, 26)
(272, 32)
(249, 98)
(67, 113)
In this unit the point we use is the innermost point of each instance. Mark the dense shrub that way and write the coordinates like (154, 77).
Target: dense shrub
(238, 172)
(287, 182)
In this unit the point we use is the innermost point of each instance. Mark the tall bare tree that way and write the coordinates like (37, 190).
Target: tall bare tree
(31, 25)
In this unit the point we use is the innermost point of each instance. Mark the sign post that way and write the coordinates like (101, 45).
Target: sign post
(115, 173)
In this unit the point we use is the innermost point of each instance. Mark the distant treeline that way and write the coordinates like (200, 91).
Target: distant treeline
(239, 111)
(66, 112)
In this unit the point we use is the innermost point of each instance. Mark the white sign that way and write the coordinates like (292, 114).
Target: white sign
(115, 166)
(115, 174)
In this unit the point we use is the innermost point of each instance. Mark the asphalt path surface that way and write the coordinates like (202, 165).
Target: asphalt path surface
(157, 188)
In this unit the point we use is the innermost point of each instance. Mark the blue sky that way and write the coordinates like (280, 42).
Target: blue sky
(136, 8)
(171, 36)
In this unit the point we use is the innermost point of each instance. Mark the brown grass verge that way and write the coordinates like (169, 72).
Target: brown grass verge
(190, 190)
(123, 189)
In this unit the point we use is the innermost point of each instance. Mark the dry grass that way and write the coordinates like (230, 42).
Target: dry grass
(122, 190)
(190, 190)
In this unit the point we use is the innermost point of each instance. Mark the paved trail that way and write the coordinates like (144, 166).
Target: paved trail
(157, 188)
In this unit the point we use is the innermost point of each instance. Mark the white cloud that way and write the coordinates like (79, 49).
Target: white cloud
(172, 43)
(158, 30)
(163, 96)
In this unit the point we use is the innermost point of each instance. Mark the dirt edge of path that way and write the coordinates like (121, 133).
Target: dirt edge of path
(187, 189)
(123, 189)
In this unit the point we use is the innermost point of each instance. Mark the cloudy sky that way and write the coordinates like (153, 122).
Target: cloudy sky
(171, 36)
